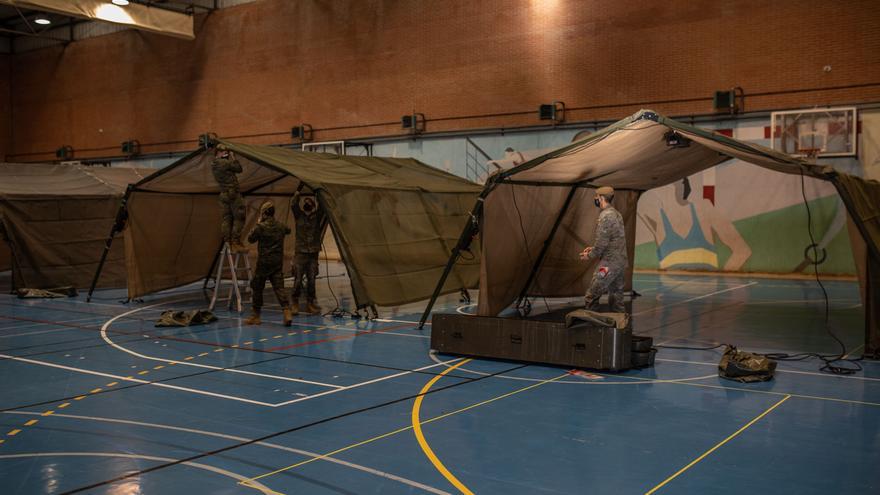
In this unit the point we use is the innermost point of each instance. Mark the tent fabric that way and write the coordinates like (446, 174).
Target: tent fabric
(522, 205)
(56, 219)
(395, 220)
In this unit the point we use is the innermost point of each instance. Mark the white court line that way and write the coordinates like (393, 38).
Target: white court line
(655, 308)
(369, 382)
(388, 320)
(379, 331)
(811, 373)
(29, 325)
(306, 453)
(36, 333)
(127, 379)
(229, 474)
(196, 365)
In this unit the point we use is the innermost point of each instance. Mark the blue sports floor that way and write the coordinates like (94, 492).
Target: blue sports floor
(95, 399)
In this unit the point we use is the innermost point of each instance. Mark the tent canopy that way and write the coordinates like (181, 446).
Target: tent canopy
(56, 219)
(537, 216)
(394, 219)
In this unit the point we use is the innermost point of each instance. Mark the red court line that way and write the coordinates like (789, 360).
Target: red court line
(338, 337)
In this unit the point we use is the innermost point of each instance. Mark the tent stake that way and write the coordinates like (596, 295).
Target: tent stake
(546, 246)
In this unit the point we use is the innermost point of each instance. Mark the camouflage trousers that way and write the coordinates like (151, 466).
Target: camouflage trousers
(232, 211)
(258, 283)
(305, 267)
(610, 280)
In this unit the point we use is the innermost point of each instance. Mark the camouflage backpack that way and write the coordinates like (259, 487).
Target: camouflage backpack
(745, 367)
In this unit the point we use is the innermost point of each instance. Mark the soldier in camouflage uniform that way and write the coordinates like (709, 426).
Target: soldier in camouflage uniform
(232, 207)
(269, 236)
(610, 250)
(310, 223)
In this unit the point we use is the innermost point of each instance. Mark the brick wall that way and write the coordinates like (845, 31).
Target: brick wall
(351, 69)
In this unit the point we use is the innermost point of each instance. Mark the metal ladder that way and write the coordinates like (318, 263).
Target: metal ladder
(232, 262)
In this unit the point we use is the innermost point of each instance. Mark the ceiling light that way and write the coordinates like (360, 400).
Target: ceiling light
(42, 20)
(121, 3)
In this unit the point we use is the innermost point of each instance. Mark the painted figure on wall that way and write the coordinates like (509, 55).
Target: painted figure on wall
(685, 229)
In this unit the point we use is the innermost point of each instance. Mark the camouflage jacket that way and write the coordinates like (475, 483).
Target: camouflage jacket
(309, 228)
(609, 241)
(225, 171)
(269, 234)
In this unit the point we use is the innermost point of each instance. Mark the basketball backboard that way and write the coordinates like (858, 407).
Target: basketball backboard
(815, 132)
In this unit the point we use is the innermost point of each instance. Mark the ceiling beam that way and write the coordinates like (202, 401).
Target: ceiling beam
(136, 15)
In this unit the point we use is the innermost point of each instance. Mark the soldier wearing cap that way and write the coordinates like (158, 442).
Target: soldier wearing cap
(269, 236)
(610, 249)
(225, 168)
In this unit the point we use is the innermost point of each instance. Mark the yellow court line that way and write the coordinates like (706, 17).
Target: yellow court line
(420, 437)
(13, 433)
(31, 422)
(399, 430)
(717, 446)
(48, 413)
(62, 406)
(784, 394)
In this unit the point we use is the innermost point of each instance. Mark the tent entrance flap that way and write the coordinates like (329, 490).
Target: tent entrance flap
(545, 247)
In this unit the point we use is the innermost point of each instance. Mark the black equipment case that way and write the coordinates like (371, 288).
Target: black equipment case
(584, 345)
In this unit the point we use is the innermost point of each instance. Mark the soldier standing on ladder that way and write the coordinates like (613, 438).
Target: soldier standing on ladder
(310, 223)
(269, 235)
(232, 207)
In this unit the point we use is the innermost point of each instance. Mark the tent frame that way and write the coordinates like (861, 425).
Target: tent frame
(804, 167)
(123, 213)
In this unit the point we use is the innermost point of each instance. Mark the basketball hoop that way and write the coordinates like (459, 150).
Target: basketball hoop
(809, 153)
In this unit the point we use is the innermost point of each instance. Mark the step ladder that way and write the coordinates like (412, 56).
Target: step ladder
(232, 263)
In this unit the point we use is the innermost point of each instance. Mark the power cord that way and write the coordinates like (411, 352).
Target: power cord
(527, 305)
(336, 312)
(829, 360)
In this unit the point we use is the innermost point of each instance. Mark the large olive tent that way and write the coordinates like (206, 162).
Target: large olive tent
(395, 220)
(533, 219)
(56, 218)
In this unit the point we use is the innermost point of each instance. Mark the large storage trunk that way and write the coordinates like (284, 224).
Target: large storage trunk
(532, 340)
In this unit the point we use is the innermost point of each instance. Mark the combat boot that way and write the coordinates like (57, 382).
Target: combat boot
(254, 319)
(294, 308)
(313, 307)
(288, 318)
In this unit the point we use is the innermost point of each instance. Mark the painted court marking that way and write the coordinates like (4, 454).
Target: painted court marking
(717, 446)
(359, 467)
(196, 465)
(196, 365)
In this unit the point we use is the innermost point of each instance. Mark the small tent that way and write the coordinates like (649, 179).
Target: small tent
(55, 219)
(534, 218)
(394, 220)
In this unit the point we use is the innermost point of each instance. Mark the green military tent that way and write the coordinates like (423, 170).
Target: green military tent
(55, 220)
(395, 220)
(534, 218)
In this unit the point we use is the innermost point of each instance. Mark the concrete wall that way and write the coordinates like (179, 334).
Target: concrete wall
(351, 69)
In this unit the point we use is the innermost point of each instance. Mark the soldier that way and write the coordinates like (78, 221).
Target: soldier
(269, 236)
(610, 250)
(310, 223)
(232, 207)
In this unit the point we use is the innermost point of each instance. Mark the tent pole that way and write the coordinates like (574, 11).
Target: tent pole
(464, 241)
(118, 225)
(546, 246)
